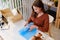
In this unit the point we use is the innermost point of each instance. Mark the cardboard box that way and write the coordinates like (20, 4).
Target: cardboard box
(14, 18)
(17, 17)
(6, 12)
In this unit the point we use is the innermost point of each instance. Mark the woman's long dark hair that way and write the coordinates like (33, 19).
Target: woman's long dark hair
(37, 3)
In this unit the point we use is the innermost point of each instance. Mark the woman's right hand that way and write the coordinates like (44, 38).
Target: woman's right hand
(26, 23)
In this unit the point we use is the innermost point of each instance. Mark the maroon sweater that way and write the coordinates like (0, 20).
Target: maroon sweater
(41, 22)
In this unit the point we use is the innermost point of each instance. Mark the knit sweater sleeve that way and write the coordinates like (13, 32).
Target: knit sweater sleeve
(45, 27)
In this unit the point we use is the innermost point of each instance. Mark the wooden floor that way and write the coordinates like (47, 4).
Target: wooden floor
(55, 32)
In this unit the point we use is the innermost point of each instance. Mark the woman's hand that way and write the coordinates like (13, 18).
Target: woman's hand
(32, 27)
(26, 23)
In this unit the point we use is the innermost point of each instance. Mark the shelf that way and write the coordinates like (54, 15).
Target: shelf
(50, 4)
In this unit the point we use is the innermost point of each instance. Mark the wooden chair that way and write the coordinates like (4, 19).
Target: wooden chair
(57, 23)
(50, 22)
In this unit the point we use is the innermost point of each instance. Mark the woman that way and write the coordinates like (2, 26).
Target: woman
(39, 17)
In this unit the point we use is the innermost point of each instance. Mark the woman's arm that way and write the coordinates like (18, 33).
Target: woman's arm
(28, 21)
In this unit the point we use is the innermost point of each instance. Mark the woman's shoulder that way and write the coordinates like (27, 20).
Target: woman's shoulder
(46, 14)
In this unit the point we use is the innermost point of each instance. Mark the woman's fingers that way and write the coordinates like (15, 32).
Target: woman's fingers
(26, 23)
(32, 27)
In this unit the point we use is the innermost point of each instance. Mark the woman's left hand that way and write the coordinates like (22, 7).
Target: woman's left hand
(32, 27)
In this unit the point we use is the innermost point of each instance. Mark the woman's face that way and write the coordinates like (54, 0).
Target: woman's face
(37, 9)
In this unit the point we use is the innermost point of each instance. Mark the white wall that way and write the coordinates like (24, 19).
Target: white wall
(27, 8)
(4, 5)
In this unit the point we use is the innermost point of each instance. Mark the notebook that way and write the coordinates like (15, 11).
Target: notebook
(26, 33)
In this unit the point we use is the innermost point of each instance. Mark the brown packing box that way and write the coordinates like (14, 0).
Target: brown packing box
(18, 17)
(7, 13)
